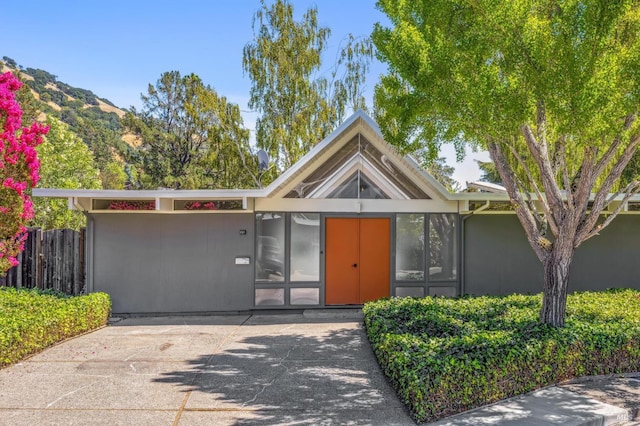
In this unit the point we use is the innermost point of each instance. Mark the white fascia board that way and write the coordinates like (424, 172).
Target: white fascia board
(487, 187)
(147, 194)
(483, 196)
(321, 146)
(343, 205)
(443, 192)
(408, 163)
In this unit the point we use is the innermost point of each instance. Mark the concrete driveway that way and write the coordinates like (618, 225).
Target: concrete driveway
(223, 370)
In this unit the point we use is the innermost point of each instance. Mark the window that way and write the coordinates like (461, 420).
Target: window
(305, 296)
(443, 253)
(269, 297)
(410, 253)
(207, 205)
(358, 186)
(129, 205)
(305, 247)
(270, 247)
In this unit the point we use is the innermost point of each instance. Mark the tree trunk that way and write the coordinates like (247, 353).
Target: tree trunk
(556, 282)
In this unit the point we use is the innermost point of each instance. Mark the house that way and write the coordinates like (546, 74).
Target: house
(352, 221)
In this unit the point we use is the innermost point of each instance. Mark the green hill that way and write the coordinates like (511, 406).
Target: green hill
(96, 120)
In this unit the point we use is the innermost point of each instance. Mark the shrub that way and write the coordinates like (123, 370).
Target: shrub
(445, 356)
(31, 320)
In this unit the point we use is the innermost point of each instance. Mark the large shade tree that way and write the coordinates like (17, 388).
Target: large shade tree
(191, 138)
(299, 102)
(549, 87)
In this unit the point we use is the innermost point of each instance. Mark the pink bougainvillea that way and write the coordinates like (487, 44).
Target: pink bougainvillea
(19, 166)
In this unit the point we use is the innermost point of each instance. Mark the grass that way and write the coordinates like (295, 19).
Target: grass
(30, 320)
(445, 356)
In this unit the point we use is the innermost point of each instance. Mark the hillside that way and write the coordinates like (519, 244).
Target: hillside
(59, 96)
(96, 120)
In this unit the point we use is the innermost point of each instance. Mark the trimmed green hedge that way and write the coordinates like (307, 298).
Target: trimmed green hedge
(445, 356)
(31, 320)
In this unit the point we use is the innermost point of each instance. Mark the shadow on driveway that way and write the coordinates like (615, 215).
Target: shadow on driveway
(271, 372)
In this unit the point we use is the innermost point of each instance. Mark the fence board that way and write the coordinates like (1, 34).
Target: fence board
(52, 259)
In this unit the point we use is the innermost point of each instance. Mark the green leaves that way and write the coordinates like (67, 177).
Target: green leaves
(297, 110)
(481, 67)
(192, 138)
(445, 356)
(549, 88)
(31, 321)
(65, 162)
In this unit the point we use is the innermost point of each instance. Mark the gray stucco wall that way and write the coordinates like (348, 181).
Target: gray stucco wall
(498, 259)
(174, 263)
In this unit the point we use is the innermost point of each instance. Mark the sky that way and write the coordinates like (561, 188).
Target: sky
(116, 48)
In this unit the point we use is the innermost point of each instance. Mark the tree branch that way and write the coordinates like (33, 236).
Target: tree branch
(561, 157)
(590, 221)
(524, 214)
(613, 148)
(550, 219)
(632, 189)
(541, 157)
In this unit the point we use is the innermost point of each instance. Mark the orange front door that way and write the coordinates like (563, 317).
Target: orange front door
(357, 260)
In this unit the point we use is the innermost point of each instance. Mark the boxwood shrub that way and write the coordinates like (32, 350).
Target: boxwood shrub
(31, 320)
(445, 356)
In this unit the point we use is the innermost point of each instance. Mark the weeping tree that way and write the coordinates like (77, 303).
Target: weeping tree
(550, 88)
(299, 103)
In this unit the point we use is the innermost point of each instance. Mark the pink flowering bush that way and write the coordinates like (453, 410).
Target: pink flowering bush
(19, 166)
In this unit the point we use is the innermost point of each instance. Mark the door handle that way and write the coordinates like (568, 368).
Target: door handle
(355, 265)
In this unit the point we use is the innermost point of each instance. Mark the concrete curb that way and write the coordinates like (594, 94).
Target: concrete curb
(336, 314)
(549, 405)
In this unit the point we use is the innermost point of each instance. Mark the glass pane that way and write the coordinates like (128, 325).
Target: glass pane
(358, 186)
(305, 247)
(369, 190)
(207, 205)
(347, 189)
(443, 253)
(442, 291)
(305, 296)
(124, 204)
(410, 247)
(409, 292)
(269, 296)
(270, 247)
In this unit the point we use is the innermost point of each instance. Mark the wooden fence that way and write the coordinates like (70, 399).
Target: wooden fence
(52, 259)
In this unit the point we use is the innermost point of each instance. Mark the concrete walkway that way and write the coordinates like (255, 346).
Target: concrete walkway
(315, 368)
(584, 402)
(226, 370)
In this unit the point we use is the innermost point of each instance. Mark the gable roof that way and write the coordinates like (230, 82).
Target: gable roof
(358, 142)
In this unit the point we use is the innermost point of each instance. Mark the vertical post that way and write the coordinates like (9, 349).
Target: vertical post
(37, 274)
(75, 263)
(81, 261)
(46, 260)
(18, 270)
